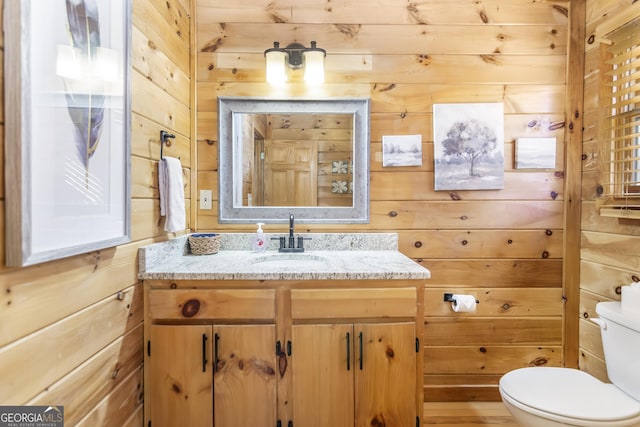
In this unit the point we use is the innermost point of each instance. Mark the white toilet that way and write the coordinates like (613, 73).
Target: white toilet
(549, 397)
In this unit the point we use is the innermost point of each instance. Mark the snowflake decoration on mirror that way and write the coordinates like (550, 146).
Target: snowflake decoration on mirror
(339, 166)
(339, 187)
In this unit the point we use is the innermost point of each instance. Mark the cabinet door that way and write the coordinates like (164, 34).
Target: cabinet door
(322, 374)
(180, 380)
(245, 376)
(385, 386)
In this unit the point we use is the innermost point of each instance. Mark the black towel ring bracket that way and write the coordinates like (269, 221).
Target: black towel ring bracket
(164, 136)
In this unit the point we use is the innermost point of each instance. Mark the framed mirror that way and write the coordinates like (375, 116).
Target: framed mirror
(304, 157)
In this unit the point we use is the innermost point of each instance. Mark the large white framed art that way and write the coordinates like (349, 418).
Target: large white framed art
(468, 141)
(67, 119)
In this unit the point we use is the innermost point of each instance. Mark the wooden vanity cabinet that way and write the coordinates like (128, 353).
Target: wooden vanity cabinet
(221, 373)
(180, 382)
(346, 372)
(193, 366)
(357, 366)
(309, 354)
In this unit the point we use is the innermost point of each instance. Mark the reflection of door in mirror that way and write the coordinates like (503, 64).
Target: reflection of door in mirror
(290, 173)
(291, 159)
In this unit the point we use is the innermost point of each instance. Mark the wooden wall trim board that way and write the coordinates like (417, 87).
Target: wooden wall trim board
(433, 13)
(404, 39)
(392, 69)
(573, 146)
(495, 273)
(396, 98)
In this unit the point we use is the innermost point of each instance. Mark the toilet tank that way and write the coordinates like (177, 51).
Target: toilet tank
(621, 342)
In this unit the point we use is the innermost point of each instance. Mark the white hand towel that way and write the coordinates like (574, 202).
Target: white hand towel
(172, 194)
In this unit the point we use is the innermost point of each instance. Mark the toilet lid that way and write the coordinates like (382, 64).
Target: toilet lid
(568, 393)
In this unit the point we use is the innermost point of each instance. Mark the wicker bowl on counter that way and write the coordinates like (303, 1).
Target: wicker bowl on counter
(204, 243)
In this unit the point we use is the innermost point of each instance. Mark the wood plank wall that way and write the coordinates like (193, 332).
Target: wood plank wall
(71, 330)
(610, 254)
(503, 246)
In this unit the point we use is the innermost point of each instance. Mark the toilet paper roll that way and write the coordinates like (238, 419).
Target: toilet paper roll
(630, 298)
(463, 303)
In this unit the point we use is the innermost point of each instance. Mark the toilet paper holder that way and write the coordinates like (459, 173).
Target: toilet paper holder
(450, 298)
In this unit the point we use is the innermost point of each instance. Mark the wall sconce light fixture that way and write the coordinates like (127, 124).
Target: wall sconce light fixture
(295, 56)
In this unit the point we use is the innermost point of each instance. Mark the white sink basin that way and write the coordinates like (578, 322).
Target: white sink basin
(290, 261)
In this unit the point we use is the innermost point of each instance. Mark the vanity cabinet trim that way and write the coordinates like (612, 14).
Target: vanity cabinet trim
(353, 303)
(212, 304)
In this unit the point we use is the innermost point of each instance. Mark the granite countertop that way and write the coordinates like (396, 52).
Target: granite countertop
(328, 256)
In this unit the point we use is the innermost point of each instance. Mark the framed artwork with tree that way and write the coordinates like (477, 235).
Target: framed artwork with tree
(468, 146)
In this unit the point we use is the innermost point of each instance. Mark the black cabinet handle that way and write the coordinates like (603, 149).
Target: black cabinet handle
(204, 352)
(215, 352)
(348, 351)
(361, 355)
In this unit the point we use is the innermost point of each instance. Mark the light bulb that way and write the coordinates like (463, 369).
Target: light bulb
(314, 66)
(276, 67)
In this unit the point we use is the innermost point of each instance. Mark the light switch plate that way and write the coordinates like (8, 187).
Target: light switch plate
(205, 199)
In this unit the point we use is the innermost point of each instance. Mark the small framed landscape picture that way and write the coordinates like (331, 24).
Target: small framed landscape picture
(401, 150)
(535, 153)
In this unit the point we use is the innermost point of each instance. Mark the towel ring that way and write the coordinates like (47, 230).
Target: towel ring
(164, 136)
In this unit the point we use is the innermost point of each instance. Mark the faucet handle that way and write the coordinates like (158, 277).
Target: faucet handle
(282, 241)
(301, 241)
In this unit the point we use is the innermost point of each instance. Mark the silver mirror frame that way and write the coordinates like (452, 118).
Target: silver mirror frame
(356, 214)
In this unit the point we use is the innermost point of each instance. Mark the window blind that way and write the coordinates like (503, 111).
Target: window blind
(619, 139)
